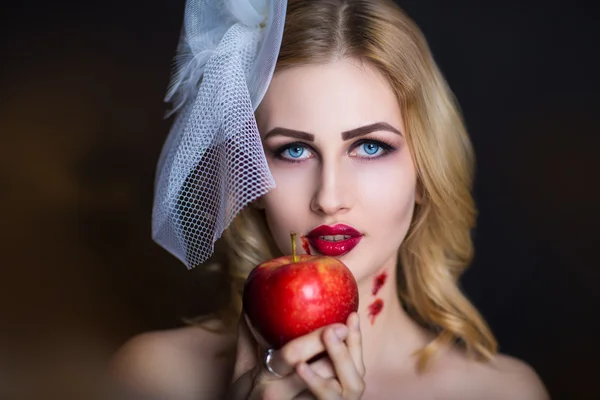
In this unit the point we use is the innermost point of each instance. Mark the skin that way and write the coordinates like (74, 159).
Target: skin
(335, 181)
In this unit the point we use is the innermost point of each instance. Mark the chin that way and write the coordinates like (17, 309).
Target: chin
(361, 268)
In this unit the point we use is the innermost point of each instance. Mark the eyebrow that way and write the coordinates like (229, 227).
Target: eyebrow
(364, 130)
(278, 131)
(346, 135)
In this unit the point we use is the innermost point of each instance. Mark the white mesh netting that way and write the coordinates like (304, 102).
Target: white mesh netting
(212, 164)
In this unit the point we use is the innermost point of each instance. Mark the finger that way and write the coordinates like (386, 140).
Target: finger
(247, 350)
(302, 349)
(354, 342)
(291, 386)
(323, 368)
(287, 387)
(323, 389)
(347, 374)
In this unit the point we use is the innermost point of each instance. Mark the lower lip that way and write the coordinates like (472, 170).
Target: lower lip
(334, 249)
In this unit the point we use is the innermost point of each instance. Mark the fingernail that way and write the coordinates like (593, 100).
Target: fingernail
(341, 332)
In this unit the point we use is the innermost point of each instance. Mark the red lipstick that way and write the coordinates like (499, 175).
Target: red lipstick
(334, 240)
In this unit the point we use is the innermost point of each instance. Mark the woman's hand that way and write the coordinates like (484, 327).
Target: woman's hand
(338, 375)
(347, 363)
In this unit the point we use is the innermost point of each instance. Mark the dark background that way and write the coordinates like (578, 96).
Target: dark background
(81, 126)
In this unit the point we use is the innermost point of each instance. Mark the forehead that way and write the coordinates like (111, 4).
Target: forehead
(330, 97)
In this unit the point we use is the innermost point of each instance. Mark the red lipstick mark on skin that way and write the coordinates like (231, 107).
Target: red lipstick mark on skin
(305, 244)
(374, 309)
(379, 282)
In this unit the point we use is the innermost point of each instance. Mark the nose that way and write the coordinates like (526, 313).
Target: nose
(332, 195)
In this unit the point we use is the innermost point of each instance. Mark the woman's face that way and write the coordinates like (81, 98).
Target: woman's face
(334, 139)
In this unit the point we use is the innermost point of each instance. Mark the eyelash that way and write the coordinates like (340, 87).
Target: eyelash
(387, 147)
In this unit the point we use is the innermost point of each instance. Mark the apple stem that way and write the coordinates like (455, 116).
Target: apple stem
(294, 256)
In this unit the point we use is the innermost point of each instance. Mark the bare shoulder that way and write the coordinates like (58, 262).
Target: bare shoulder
(178, 364)
(502, 378)
(512, 378)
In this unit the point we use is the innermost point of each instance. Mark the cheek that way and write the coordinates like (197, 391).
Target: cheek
(381, 180)
(286, 205)
(388, 191)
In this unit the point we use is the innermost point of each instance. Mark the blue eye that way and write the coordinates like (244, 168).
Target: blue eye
(294, 152)
(370, 148)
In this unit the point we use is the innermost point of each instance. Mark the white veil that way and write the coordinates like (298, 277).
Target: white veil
(212, 164)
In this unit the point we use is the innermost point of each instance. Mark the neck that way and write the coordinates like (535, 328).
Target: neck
(389, 335)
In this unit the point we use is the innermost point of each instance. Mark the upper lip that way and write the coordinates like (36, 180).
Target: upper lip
(339, 229)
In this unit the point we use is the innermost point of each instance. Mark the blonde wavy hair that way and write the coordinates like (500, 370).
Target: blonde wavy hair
(438, 246)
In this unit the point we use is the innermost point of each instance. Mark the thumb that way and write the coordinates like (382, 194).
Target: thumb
(248, 349)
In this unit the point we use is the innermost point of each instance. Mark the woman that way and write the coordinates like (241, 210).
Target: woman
(363, 139)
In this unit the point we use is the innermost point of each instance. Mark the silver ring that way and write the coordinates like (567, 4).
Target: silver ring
(268, 366)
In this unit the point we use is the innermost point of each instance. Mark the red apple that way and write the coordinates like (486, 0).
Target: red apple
(291, 296)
